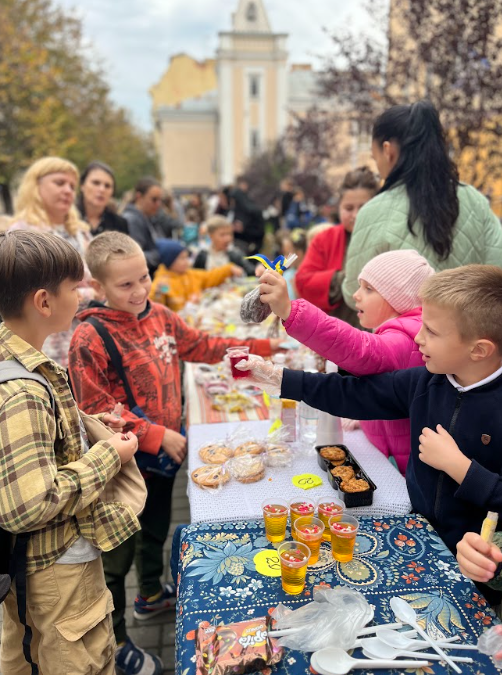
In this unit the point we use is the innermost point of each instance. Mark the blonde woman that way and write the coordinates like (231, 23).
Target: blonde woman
(45, 202)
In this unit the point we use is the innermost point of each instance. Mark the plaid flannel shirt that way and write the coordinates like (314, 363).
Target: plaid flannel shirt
(48, 486)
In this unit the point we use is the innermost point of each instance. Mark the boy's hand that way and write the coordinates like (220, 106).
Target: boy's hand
(476, 558)
(237, 271)
(274, 292)
(263, 374)
(125, 444)
(439, 450)
(175, 445)
(114, 422)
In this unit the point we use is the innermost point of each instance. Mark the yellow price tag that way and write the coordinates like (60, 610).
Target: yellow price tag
(267, 563)
(276, 425)
(266, 399)
(230, 329)
(306, 481)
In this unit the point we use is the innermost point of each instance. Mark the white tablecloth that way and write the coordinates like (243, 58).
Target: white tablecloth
(243, 501)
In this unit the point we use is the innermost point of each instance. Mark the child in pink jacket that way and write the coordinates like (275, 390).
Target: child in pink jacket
(387, 302)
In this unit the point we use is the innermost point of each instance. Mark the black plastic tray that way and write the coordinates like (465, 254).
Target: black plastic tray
(351, 499)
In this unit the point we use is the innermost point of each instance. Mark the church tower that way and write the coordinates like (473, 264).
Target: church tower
(252, 88)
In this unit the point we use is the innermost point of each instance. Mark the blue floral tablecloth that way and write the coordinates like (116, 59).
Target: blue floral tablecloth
(403, 556)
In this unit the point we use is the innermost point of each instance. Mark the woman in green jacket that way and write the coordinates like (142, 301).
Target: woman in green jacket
(421, 205)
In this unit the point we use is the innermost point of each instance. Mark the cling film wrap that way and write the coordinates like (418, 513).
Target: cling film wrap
(252, 309)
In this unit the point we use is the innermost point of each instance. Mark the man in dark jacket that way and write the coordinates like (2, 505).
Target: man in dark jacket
(147, 200)
(249, 225)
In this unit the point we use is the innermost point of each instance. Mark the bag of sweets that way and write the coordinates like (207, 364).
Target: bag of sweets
(252, 309)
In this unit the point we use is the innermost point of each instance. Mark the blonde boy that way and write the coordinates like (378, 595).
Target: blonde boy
(152, 341)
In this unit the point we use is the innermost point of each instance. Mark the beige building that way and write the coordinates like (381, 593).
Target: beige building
(212, 116)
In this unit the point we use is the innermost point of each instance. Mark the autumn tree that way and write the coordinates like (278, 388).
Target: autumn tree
(449, 51)
(53, 101)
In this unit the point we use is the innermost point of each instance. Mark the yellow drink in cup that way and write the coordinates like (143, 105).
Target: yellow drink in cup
(326, 509)
(343, 537)
(294, 557)
(275, 515)
(299, 508)
(309, 531)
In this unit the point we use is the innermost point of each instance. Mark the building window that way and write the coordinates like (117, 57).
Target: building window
(254, 86)
(255, 141)
(251, 13)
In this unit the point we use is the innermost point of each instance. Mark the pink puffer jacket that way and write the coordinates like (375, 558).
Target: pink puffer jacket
(390, 347)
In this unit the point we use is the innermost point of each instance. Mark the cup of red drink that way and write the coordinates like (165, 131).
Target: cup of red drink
(298, 508)
(236, 354)
(294, 558)
(329, 508)
(309, 531)
(275, 515)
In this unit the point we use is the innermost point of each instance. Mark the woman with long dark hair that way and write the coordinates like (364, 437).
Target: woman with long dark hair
(421, 205)
(97, 185)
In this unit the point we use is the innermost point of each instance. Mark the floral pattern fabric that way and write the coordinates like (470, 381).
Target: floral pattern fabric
(394, 556)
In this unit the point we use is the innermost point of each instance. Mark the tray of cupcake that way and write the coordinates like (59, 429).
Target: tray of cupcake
(345, 475)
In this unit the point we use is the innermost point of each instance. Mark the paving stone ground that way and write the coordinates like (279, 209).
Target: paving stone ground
(157, 634)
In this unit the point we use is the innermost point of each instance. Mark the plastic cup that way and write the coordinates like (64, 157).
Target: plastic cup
(329, 508)
(236, 354)
(310, 531)
(275, 515)
(343, 537)
(294, 557)
(297, 509)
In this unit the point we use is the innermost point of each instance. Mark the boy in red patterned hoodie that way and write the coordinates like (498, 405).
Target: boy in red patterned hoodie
(151, 340)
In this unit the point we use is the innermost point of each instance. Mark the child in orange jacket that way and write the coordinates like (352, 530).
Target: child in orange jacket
(176, 282)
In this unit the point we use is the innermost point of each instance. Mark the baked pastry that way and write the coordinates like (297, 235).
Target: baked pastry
(215, 453)
(249, 448)
(355, 485)
(247, 469)
(210, 476)
(277, 455)
(343, 472)
(335, 454)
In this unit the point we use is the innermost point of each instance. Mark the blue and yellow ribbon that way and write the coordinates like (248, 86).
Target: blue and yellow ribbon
(277, 264)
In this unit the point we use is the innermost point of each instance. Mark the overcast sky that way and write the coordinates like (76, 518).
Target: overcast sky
(135, 38)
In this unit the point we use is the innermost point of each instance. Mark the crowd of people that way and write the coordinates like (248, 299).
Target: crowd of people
(405, 286)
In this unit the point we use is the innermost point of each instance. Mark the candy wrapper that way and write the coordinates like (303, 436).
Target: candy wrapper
(252, 309)
(235, 649)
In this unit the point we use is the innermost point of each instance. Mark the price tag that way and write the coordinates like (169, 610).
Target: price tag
(276, 425)
(266, 399)
(267, 563)
(306, 481)
(230, 329)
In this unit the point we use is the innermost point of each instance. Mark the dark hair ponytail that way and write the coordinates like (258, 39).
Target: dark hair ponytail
(424, 168)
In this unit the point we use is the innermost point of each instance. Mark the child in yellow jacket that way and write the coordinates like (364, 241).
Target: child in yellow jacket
(176, 282)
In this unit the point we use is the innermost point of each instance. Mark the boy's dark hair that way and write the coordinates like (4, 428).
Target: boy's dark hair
(30, 261)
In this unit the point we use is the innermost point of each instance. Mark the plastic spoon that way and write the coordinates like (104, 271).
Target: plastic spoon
(404, 612)
(359, 641)
(364, 631)
(373, 648)
(403, 641)
(335, 661)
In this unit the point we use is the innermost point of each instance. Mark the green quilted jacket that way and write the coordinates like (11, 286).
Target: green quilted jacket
(381, 226)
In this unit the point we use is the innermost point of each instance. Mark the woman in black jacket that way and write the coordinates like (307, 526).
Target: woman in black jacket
(97, 185)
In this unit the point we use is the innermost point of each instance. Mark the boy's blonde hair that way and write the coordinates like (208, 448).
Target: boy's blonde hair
(215, 222)
(474, 294)
(29, 205)
(109, 246)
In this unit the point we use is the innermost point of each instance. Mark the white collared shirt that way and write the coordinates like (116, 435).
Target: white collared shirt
(490, 378)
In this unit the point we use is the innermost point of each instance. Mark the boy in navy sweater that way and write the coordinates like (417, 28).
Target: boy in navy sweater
(453, 474)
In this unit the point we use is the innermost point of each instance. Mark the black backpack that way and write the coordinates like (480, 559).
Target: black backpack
(13, 558)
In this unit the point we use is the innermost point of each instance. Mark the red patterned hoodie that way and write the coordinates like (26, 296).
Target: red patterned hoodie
(151, 347)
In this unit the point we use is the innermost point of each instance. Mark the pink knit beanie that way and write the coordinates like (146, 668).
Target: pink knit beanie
(397, 276)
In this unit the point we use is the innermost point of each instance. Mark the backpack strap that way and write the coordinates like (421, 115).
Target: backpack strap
(115, 357)
(13, 370)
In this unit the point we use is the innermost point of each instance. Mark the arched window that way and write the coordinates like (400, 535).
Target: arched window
(251, 12)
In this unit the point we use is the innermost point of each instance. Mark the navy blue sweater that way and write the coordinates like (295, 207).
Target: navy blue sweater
(427, 400)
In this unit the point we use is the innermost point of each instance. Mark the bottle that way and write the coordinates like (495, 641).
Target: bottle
(329, 427)
(307, 415)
